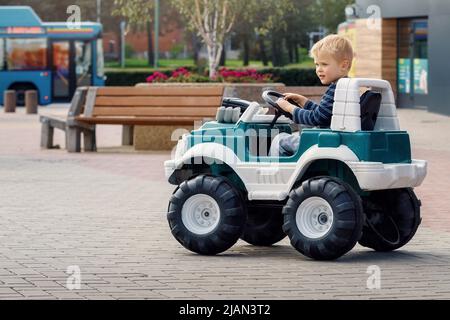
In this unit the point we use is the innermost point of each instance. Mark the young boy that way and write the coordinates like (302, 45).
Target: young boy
(333, 56)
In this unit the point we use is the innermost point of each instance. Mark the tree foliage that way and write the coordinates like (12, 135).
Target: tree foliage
(137, 12)
(269, 29)
(329, 13)
(212, 20)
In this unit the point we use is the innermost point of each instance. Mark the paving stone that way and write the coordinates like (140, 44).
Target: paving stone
(104, 213)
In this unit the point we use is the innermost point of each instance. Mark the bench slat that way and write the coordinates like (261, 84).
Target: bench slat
(159, 101)
(140, 120)
(152, 91)
(154, 111)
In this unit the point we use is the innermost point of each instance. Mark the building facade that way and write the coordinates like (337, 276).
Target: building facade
(405, 42)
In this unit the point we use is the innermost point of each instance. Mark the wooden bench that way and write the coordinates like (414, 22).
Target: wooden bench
(130, 106)
(69, 125)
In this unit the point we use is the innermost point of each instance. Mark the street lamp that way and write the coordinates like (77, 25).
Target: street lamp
(122, 41)
(99, 10)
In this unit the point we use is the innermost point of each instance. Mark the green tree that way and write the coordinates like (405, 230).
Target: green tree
(329, 13)
(299, 23)
(262, 21)
(139, 14)
(212, 20)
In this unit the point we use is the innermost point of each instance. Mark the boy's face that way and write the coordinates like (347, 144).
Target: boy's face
(328, 69)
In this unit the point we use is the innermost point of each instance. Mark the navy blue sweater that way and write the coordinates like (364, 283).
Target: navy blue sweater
(313, 114)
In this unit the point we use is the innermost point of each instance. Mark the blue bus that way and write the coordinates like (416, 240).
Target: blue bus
(52, 58)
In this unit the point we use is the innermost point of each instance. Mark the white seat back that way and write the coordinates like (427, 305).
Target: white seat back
(347, 110)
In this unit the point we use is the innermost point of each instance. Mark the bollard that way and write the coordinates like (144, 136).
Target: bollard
(9, 101)
(31, 101)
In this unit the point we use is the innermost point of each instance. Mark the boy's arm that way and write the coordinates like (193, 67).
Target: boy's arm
(314, 114)
(310, 105)
(304, 102)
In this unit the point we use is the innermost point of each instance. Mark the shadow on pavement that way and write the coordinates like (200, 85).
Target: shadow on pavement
(359, 256)
(407, 256)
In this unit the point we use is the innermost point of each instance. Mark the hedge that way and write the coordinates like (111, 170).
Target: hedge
(288, 76)
(294, 76)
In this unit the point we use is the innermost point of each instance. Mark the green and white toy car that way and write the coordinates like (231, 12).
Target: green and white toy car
(349, 183)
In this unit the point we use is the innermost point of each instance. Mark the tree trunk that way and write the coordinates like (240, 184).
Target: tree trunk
(290, 49)
(246, 54)
(262, 48)
(150, 55)
(223, 58)
(296, 53)
(196, 49)
(275, 53)
(213, 61)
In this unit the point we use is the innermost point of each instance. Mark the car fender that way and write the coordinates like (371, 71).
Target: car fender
(212, 153)
(341, 153)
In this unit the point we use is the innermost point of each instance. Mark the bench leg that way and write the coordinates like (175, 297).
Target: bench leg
(73, 139)
(127, 135)
(47, 135)
(89, 140)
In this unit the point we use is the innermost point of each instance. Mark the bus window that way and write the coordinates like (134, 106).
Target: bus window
(61, 69)
(83, 63)
(2, 54)
(100, 61)
(26, 54)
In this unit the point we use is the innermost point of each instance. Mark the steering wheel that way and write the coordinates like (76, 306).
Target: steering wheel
(271, 97)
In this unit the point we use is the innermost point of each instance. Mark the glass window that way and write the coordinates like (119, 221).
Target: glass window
(61, 69)
(26, 54)
(2, 54)
(83, 63)
(413, 56)
(100, 61)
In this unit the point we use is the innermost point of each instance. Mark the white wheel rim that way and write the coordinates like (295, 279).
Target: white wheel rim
(200, 214)
(314, 217)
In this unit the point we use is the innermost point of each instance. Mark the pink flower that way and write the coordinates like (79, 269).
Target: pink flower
(157, 76)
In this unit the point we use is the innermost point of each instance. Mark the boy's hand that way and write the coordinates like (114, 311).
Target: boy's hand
(297, 98)
(286, 106)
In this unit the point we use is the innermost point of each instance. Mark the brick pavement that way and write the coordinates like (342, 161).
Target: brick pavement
(105, 213)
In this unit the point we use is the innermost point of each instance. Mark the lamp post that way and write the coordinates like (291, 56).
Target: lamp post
(122, 41)
(99, 10)
(156, 46)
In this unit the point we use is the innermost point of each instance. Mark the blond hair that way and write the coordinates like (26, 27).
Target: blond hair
(339, 47)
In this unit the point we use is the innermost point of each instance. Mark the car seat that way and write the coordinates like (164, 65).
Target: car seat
(370, 103)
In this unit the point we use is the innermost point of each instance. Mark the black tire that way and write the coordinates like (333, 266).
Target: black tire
(231, 215)
(392, 219)
(264, 225)
(342, 219)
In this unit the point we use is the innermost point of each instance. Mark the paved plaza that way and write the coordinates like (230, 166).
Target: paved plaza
(102, 216)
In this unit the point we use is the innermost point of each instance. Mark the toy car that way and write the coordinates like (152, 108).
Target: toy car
(349, 183)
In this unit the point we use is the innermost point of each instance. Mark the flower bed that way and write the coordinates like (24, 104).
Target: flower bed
(223, 75)
(288, 76)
